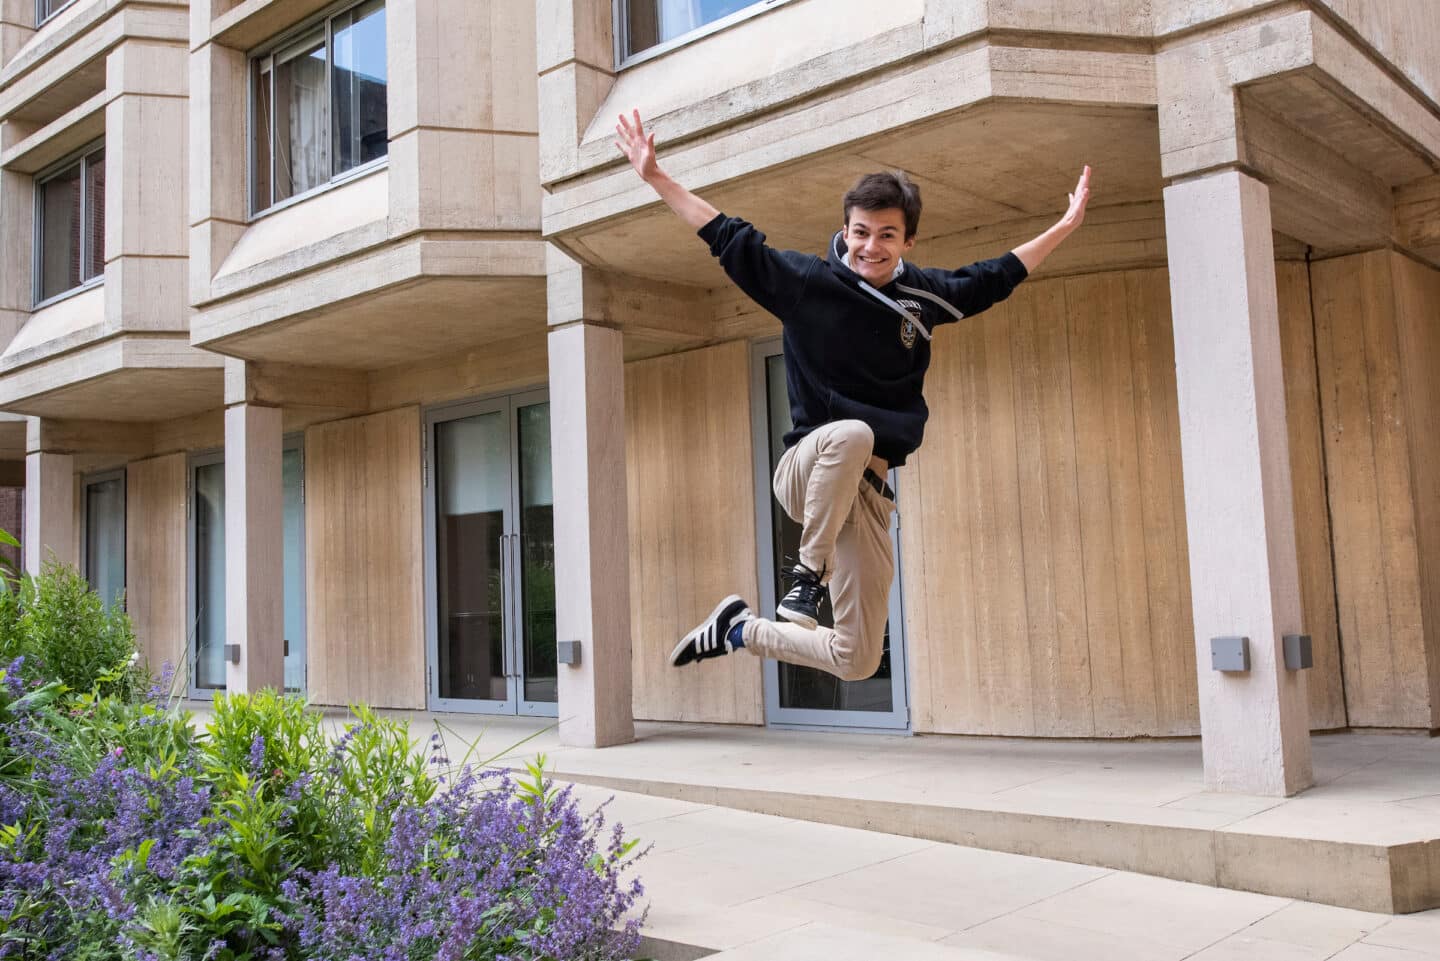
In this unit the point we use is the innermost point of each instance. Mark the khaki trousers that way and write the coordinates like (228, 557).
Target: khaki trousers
(846, 523)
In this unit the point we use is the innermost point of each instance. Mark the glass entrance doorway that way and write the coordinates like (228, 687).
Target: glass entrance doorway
(205, 506)
(803, 696)
(490, 557)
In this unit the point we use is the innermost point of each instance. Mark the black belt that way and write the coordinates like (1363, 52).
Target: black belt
(877, 482)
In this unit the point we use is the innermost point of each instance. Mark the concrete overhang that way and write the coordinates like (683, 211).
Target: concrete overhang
(323, 283)
(391, 304)
(64, 64)
(1334, 160)
(12, 438)
(126, 377)
(994, 164)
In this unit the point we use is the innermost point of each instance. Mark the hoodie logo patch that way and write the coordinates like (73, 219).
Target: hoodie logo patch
(908, 333)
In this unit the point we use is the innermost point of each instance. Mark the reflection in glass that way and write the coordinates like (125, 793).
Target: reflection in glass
(805, 687)
(301, 127)
(93, 255)
(292, 479)
(359, 86)
(537, 554)
(60, 233)
(472, 487)
(105, 539)
(210, 576)
(654, 21)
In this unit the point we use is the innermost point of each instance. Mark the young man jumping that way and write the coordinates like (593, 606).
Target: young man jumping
(857, 327)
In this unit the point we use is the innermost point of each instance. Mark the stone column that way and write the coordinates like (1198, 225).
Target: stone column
(1243, 571)
(592, 540)
(254, 530)
(17, 26)
(146, 215)
(49, 504)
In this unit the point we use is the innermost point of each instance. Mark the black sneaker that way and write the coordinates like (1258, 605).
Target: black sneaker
(710, 639)
(801, 605)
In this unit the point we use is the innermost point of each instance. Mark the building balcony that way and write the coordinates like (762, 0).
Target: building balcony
(361, 251)
(92, 173)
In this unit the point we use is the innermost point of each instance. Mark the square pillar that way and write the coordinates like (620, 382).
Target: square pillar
(1244, 576)
(254, 531)
(49, 510)
(592, 534)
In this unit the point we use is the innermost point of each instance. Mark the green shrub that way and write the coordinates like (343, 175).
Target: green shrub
(66, 633)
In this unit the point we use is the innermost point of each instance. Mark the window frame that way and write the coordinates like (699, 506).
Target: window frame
(81, 158)
(42, 19)
(86, 482)
(325, 21)
(621, 31)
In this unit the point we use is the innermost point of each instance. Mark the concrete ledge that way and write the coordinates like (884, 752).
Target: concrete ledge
(1384, 878)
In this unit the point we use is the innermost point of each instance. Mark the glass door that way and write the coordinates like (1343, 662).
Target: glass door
(206, 508)
(102, 549)
(490, 557)
(803, 696)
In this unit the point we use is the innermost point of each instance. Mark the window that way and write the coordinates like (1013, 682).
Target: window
(649, 23)
(104, 545)
(45, 9)
(70, 225)
(318, 105)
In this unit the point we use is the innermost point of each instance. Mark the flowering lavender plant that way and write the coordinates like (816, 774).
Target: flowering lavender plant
(124, 834)
(494, 869)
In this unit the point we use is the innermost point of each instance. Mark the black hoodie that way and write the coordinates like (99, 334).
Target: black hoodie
(850, 354)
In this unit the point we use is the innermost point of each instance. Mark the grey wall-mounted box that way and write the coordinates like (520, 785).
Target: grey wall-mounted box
(567, 652)
(1230, 654)
(1299, 652)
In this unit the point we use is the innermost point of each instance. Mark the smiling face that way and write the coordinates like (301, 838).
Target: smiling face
(876, 241)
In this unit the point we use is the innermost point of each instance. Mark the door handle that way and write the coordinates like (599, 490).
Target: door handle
(504, 608)
(518, 633)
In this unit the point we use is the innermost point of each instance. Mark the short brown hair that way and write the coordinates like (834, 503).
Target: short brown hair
(888, 190)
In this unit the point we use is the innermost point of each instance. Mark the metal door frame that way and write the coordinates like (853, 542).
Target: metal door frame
(512, 587)
(897, 720)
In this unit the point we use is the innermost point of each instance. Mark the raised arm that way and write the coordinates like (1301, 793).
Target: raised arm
(639, 147)
(1033, 252)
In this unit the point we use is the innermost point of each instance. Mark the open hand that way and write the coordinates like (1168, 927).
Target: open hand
(1076, 214)
(637, 146)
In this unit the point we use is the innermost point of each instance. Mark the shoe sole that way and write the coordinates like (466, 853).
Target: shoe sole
(688, 639)
(799, 620)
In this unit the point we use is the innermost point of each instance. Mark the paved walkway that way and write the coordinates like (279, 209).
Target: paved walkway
(757, 887)
(762, 888)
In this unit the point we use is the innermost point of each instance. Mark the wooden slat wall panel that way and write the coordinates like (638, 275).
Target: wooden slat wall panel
(1312, 513)
(1417, 307)
(692, 529)
(364, 561)
(1046, 579)
(1162, 486)
(155, 558)
(1372, 506)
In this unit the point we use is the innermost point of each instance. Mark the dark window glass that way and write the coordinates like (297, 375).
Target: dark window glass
(651, 22)
(94, 252)
(60, 233)
(45, 9)
(805, 687)
(71, 231)
(318, 106)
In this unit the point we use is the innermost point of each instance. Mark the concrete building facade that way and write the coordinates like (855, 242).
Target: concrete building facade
(383, 376)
